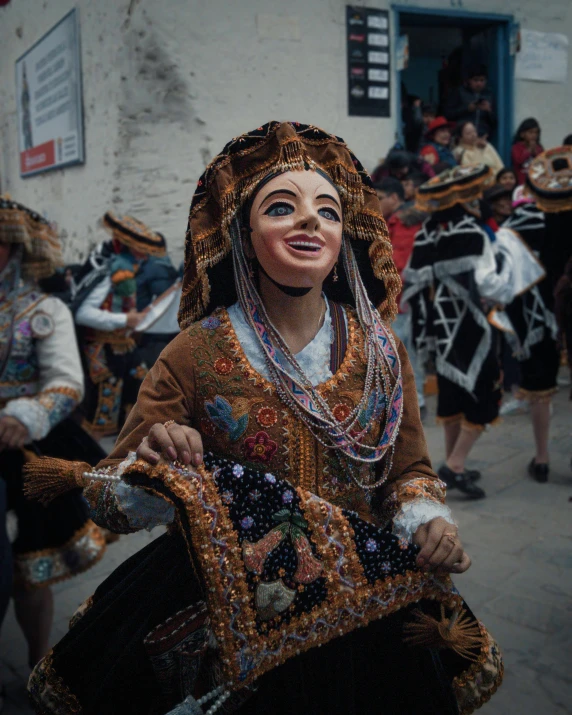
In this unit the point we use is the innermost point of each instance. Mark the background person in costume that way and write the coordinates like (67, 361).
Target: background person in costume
(41, 382)
(297, 384)
(549, 181)
(451, 273)
(108, 315)
(533, 327)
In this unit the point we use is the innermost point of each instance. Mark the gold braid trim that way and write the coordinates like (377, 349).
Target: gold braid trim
(48, 692)
(48, 477)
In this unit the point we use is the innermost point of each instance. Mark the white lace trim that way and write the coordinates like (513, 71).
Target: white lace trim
(314, 359)
(416, 512)
(142, 510)
(33, 415)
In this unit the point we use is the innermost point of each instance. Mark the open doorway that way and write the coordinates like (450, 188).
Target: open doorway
(443, 45)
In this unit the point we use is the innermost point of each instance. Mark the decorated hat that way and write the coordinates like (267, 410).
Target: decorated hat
(549, 179)
(497, 191)
(20, 225)
(134, 234)
(230, 180)
(438, 123)
(458, 185)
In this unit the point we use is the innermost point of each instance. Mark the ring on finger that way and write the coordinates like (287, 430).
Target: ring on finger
(168, 423)
(451, 537)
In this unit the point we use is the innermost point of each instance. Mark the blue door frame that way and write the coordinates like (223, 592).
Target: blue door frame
(505, 69)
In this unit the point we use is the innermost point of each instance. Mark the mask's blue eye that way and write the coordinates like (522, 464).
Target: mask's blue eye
(330, 214)
(279, 210)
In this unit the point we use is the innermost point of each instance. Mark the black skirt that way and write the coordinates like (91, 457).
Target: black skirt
(102, 664)
(57, 541)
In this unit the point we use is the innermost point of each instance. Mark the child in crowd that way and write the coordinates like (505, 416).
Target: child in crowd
(412, 182)
(525, 146)
(438, 137)
(507, 178)
(474, 149)
(499, 200)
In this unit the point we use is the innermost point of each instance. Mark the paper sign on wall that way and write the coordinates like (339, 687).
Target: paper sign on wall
(48, 92)
(543, 56)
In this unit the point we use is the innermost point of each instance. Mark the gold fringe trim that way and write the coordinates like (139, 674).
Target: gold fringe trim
(449, 196)
(46, 478)
(536, 396)
(458, 633)
(49, 693)
(98, 546)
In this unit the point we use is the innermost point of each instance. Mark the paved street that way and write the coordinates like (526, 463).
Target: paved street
(520, 583)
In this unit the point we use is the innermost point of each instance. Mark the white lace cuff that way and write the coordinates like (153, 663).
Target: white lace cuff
(141, 509)
(416, 512)
(33, 415)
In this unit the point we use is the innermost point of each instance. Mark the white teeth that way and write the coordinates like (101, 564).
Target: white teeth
(304, 244)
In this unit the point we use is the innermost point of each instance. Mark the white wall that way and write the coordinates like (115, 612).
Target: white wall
(167, 83)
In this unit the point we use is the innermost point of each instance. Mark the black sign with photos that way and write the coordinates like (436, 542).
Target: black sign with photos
(368, 62)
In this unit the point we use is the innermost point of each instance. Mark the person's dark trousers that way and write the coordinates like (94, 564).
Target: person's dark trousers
(5, 556)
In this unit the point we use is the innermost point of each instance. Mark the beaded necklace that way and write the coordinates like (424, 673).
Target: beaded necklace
(345, 436)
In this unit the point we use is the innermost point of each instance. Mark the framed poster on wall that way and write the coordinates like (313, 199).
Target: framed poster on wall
(368, 62)
(49, 100)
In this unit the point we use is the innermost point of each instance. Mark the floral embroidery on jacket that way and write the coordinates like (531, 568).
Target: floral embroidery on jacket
(259, 448)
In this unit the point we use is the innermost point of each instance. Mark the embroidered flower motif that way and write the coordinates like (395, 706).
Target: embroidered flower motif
(259, 448)
(371, 545)
(211, 323)
(207, 427)
(287, 497)
(270, 478)
(267, 416)
(238, 471)
(227, 497)
(223, 366)
(403, 543)
(341, 412)
(254, 495)
(386, 567)
(247, 522)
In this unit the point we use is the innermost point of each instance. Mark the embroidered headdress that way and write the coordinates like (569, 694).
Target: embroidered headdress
(134, 234)
(458, 185)
(549, 179)
(229, 181)
(41, 246)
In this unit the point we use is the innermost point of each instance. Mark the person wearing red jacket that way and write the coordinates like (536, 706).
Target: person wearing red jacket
(403, 223)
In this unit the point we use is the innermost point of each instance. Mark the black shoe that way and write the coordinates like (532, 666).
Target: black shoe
(539, 472)
(461, 481)
(473, 474)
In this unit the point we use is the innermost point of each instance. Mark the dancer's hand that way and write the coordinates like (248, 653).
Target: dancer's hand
(13, 434)
(441, 548)
(172, 441)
